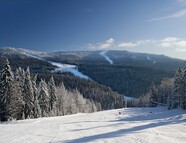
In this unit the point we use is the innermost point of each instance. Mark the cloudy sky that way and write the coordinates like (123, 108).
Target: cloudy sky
(150, 26)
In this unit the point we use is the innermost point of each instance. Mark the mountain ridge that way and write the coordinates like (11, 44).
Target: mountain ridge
(131, 73)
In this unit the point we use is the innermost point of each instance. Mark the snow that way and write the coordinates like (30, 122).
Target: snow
(148, 58)
(103, 53)
(68, 68)
(128, 98)
(133, 125)
(61, 67)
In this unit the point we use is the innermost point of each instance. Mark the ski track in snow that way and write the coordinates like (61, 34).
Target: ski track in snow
(148, 58)
(103, 53)
(133, 125)
(61, 67)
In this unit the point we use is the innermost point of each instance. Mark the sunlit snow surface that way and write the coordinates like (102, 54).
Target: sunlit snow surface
(132, 125)
(61, 68)
(103, 53)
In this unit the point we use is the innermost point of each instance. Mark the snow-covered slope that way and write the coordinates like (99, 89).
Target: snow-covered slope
(61, 67)
(103, 53)
(128, 98)
(133, 125)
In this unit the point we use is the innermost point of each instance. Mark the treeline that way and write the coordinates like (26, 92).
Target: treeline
(171, 93)
(22, 98)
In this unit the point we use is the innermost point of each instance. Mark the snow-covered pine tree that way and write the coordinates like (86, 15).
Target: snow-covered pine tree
(10, 97)
(153, 96)
(183, 93)
(36, 109)
(61, 100)
(43, 98)
(28, 95)
(16, 105)
(178, 89)
(79, 101)
(20, 79)
(20, 76)
(52, 96)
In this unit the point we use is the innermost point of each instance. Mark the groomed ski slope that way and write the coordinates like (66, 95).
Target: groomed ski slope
(133, 125)
(61, 67)
(103, 53)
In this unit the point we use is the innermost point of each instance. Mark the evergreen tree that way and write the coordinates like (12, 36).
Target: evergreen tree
(61, 100)
(28, 95)
(183, 93)
(6, 91)
(178, 89)
(20, 79)
(16, 105)
(153, 96)
(52, 95)
(43, 98)
(36, 109)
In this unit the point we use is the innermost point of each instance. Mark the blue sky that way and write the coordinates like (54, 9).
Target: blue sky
(152, 26)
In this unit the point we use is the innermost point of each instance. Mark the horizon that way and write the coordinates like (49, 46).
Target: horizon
(154, 27)
(91, 51)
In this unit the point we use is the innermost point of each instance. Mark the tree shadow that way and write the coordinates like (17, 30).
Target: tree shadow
(85, 122)
(153, 115)
(161, 118)
(121, 132)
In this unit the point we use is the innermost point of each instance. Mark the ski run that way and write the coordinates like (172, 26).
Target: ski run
(61, 68)
(103, 53)
(129, 125)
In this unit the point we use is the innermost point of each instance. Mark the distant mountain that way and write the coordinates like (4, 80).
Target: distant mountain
(120, 58)
(127, 73)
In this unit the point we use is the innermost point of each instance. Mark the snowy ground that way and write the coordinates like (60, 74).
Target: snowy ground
(61, 67)
(128, 98)
(103, 53)
(133, 125)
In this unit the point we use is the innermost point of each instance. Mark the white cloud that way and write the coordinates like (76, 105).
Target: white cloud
(165, 45)
(170, 46)
(170, 39)
(127, 45)
(175, 43)
(181, 44)
(135, 43)
(107, 44)
(104, 45)
(110, 41)
(169, 42)
(180, 50)
(178, 14)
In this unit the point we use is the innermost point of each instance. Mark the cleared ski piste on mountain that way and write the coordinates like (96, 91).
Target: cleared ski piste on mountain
(133, 125)
(103, 53)
(61, 68)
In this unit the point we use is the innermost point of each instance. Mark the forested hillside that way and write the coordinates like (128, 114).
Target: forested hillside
(127, 80)
(22, 98)
(171, 93)
(131, 74)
